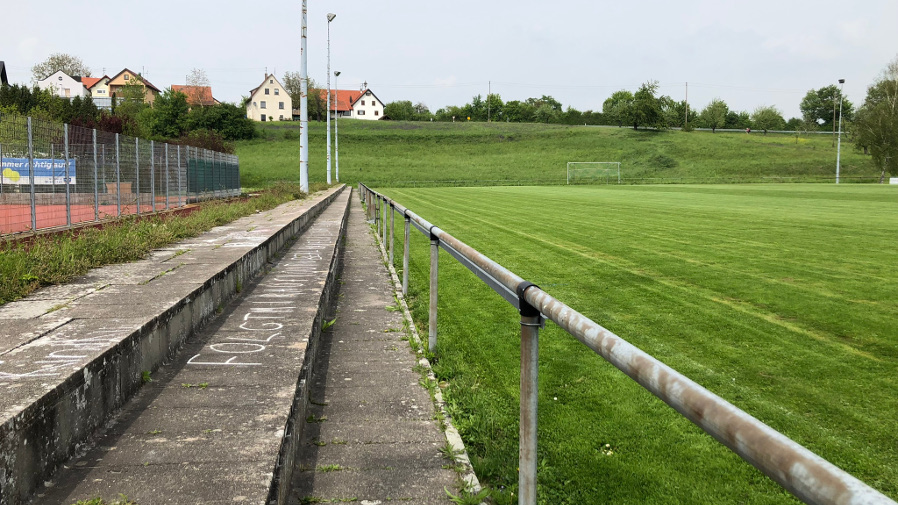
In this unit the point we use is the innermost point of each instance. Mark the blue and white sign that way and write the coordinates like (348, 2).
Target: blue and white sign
(46, 171)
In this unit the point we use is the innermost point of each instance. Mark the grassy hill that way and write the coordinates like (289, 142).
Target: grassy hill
(397, 153)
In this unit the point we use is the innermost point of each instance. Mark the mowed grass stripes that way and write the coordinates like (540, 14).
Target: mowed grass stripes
(782, 299)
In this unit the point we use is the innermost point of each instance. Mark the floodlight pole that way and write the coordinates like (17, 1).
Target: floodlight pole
(330, 17)
(337, 126)
(839, 148)
(303, 108)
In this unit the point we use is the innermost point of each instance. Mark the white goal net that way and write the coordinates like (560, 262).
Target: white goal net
(593, 172)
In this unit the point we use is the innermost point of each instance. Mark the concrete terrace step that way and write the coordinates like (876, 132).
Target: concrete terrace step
(218, 425)
(71, 355)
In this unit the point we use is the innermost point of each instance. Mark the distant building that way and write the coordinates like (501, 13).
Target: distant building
(269, 101)
(99, 90)
(367, 106)
(126, 77)
(3, 79)
(197, 95)
(64, 85)
(352, 103)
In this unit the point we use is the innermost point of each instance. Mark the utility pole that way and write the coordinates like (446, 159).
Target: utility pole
(489, 91)
(686, 123)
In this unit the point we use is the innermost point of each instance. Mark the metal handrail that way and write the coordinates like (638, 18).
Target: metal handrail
(806, 475)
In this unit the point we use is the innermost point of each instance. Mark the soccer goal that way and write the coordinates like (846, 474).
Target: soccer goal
(591, 172)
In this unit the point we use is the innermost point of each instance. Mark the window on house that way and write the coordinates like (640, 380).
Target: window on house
(263, 117)
(277, 91)
(373, 102)
(282, 117)
(263, 104)
(60, 77)
(254, 104)
(266, 91)
(127, 77)
(376, 112)
(281, 105)
(361, 113)
(363, 102)
(270, 81)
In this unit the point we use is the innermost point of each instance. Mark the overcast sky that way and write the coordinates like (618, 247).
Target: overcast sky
(749, 53)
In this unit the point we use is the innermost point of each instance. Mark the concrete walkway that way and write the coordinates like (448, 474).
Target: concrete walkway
(370, 435)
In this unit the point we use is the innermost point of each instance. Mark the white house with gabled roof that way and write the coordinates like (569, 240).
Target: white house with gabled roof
(64, 85)
(269, 101)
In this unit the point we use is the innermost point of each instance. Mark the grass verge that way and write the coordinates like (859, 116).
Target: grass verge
(56, 259)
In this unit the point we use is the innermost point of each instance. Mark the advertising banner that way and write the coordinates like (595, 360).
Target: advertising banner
(46, 171)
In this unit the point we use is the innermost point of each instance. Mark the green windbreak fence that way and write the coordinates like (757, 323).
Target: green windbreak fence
(211, 174)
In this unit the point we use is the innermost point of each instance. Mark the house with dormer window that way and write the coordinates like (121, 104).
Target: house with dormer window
(127, 77)
(64, 85)
(269, 101)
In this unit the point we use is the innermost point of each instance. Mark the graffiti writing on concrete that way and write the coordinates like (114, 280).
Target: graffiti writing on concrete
(61, 352)
(271, 310)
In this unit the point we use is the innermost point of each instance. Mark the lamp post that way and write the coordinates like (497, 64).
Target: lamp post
(337, 125)
(330, 17)
(303, 108)
(839, 148)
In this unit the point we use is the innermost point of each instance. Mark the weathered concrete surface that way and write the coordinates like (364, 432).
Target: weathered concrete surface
(72, 355)
(218, 425)
(368, 413)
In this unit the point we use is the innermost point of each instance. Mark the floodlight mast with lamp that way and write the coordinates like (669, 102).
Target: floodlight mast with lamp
(330, 17)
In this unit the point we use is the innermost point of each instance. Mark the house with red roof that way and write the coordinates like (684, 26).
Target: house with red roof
(352, 103)
(99, 90)
(197, 95)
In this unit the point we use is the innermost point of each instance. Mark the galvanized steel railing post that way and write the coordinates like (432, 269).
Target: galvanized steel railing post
(392, 237)
(167, 178)
(66, 180)
(118, 176)
(31, 175)
(179, 176)
(405, 254)
(153, 174)
(434, 275)
(384, 207)
(96, 180)
(137, 172)
(530, 324)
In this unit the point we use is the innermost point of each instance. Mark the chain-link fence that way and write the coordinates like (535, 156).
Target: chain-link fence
(57, 175)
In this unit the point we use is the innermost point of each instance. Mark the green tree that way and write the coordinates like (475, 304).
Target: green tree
(401, 110)
(714, 115)
(674, 112)
(226, 119)
(617, 108)
(738, 120)
(316, 98)
(494, 106)
(646, 109)
(822, 105)
(422, 113)
(169, 116)
(71, 65)
(876, 125)
(516, 111)
(768, 118)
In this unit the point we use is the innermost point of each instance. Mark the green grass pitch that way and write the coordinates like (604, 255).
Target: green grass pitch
(779, 298)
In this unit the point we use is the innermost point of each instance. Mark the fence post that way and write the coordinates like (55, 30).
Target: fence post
(31, 175)
(68, 194)
(530, 324)
(96, 180)
(179, 175)
(153, 175)
(118, 176)
(384, 207)
(405, 254)
(434, 267)
(167, 178)
(137, 171)
(392, 211)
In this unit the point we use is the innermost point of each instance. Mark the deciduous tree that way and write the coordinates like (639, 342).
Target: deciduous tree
(617, 107)
(714, 115)
(768, 117)
(822, 105)
(876, 125)
(71, 65)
